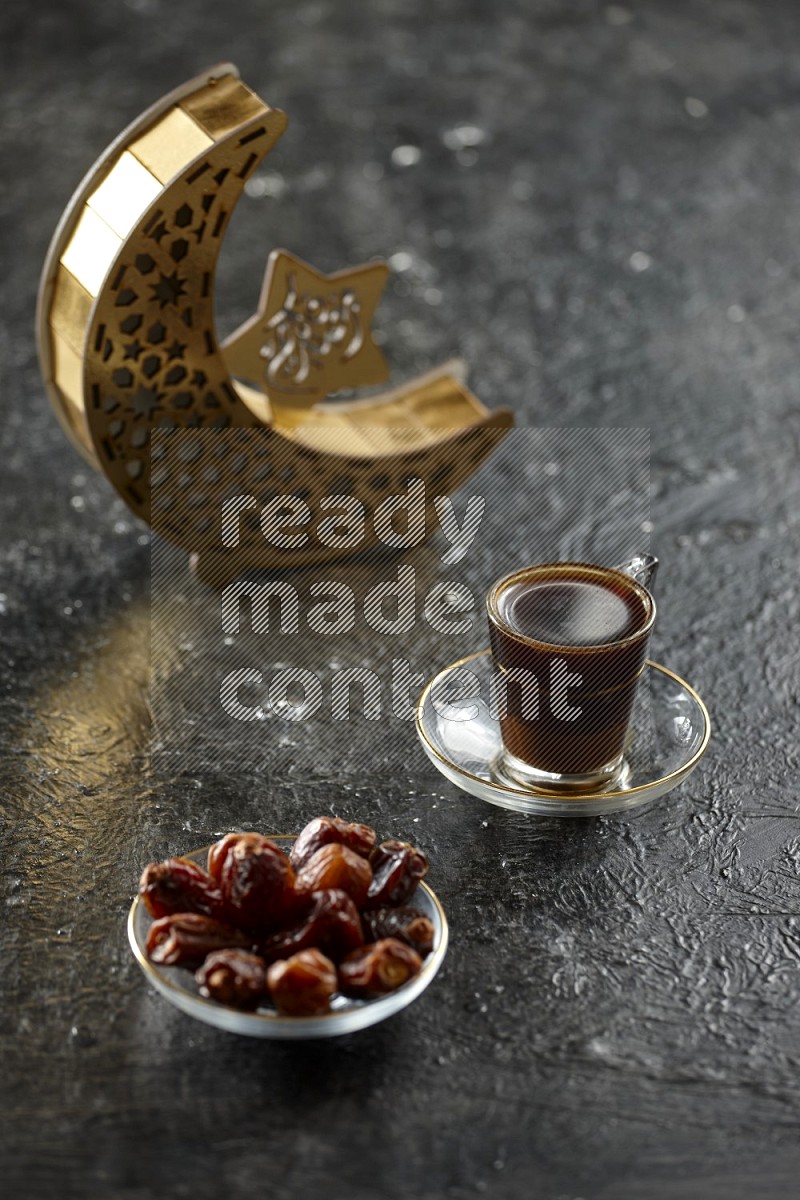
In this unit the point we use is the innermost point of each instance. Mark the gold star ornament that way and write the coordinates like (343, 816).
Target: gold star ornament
(312, 333)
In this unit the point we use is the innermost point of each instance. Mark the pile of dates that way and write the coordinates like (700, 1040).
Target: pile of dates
(261, 926)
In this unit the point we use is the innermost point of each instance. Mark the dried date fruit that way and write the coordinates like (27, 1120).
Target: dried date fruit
(334, 866)
(408, 924)
(257, 882)
(323, 831)
(332, 924)
(218, 853)
(378, 968)
(261, 923)
(397, 868)
(233, 977)
(179, 885)
(185, 939)
(302, 986)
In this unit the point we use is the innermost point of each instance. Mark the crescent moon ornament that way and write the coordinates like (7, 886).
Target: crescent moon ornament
(128, 348)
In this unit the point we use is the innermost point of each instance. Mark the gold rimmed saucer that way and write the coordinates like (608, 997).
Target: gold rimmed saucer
(669, 734)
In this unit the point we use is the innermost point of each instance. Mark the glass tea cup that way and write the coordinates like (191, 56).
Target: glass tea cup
(569, 643)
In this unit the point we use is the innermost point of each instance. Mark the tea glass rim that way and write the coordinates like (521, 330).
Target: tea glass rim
(564, 567)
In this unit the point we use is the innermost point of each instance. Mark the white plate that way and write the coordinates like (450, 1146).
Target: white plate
(177, 984)
(668, 737)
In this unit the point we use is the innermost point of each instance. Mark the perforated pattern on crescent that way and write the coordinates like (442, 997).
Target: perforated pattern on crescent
(153, 358)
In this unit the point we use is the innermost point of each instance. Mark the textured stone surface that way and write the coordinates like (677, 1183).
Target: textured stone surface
(614, 243)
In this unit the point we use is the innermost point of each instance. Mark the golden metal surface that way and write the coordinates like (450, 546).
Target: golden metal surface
(407, 418)
(125, 193)
(71, 309)
(164, 148)
(91, 250)
(224, 105)
(68, 369)
(127, 345)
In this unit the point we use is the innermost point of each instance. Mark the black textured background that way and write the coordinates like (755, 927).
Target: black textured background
(618, 1014)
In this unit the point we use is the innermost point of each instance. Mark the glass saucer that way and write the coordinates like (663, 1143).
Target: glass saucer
(177, 984)
(668, 737)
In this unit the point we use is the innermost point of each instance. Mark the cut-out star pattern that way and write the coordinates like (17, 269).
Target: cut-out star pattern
(145, 402)
(169, 289)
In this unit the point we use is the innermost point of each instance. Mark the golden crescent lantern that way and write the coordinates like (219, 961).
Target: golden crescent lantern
(127, 346)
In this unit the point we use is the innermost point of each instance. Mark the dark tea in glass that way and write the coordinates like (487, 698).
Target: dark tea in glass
(569, 642)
